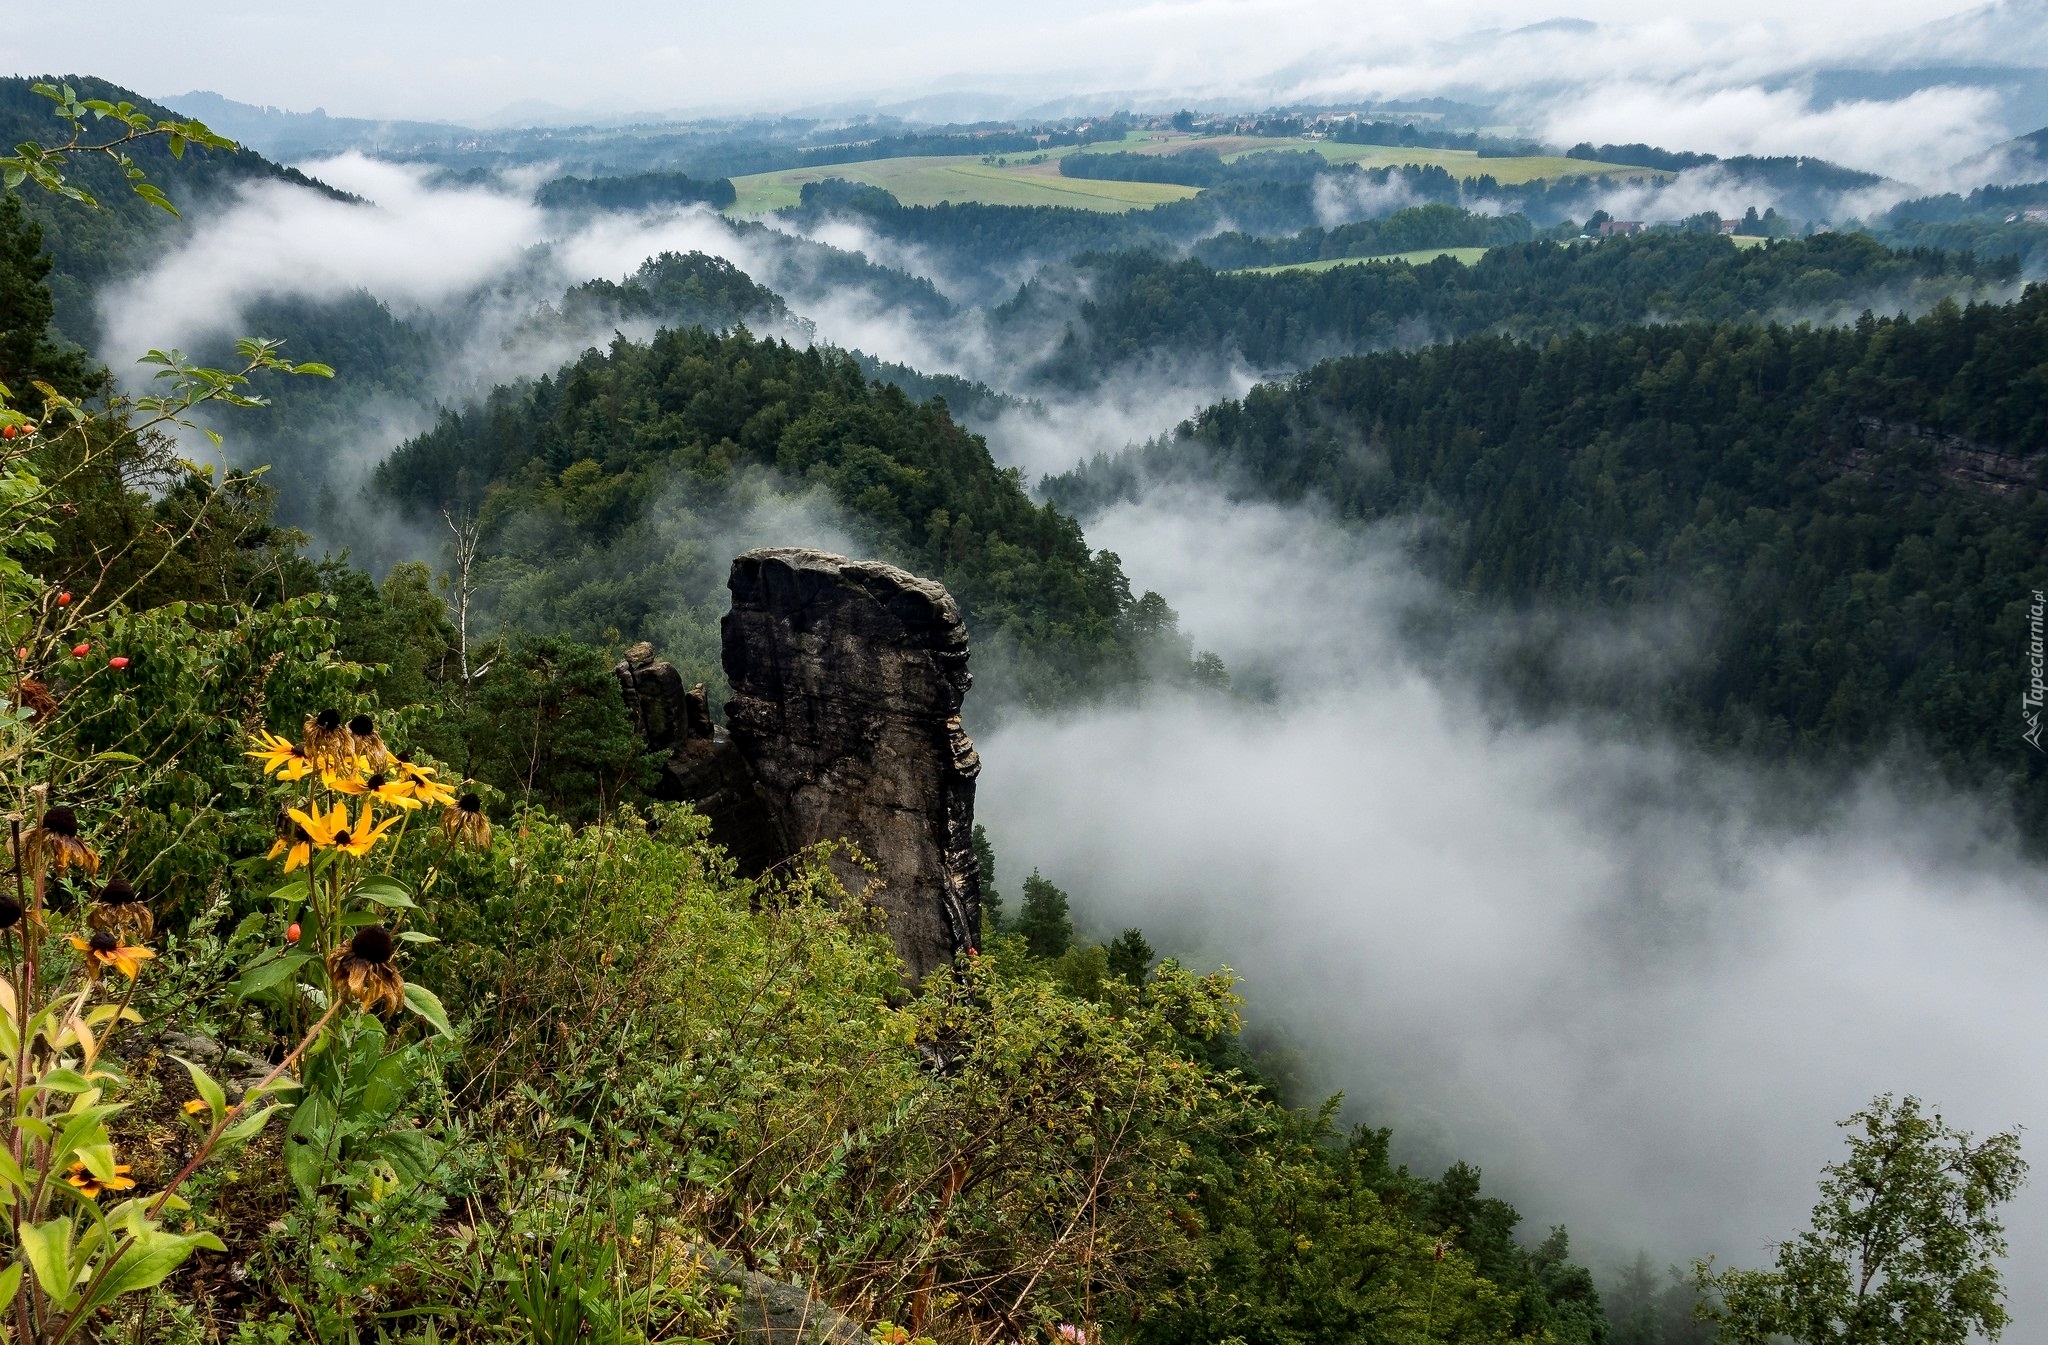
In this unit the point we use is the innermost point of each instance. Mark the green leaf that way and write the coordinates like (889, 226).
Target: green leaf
(210, 1092)
(10, 1285)
(149, 1260)
(427, 1005)
(264, 975)
(48, 1249)
(386, 891)
(249, 1125)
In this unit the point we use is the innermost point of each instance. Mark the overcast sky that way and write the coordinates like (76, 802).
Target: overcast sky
(468, 60)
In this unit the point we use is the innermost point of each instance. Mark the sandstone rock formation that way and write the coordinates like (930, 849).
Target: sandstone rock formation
(844, 724)
(847, 680)
(703, 769)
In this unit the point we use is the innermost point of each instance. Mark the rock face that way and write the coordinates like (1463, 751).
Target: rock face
(847, 680)
(703, 769)
(844, 724)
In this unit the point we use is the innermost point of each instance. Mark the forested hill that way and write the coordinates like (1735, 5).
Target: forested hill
(89, 246)
(1857, 514)
(613, 494)
(1142, 307)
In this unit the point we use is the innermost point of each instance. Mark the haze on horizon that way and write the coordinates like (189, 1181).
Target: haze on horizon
(474, 64)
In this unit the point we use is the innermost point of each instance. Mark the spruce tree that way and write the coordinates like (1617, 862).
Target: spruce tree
(1043, 921)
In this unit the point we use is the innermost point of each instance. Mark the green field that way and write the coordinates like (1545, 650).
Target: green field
(1014, 179)
(1464, 256)
(958, 177)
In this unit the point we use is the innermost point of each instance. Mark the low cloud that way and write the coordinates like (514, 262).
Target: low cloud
(1608, 970)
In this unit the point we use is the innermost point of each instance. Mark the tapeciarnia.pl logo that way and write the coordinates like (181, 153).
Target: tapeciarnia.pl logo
(2031, 698)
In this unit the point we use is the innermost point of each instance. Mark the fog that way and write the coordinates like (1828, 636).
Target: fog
(1603, 969)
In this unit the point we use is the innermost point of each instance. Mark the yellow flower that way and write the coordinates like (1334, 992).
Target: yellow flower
(197, 1106)
(297, 848)
(280, 757)
(334, 829)
(90, 1185)
(424, 786)
(105, 950)
(381, 787)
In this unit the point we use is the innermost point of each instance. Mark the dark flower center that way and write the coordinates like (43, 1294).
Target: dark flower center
(470, 803)
(61, 822)
(342, 837)
(372, 944)
(10, 912)
(329, 720)
(376, 782)
(361, 726)
(117, 892)
(104, 942)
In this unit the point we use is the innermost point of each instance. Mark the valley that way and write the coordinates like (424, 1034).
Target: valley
(1457, 695)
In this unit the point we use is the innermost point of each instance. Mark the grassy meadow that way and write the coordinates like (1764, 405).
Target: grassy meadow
(1034, 179)
(958, 177)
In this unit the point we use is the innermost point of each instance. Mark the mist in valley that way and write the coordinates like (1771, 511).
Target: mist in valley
(1603, 966)
(1634, 982)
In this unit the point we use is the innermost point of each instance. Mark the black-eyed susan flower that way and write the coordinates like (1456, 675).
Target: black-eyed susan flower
(90, 1184)
(327, 742)
(361, 971)
(120, 911)
(424, 787)
(294, 845)
(392, 792)
(466, 822)
(105, 950)
(280, 756)
(335, 831)
(53, 845)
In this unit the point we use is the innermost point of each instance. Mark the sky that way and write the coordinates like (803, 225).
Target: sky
(470, 61)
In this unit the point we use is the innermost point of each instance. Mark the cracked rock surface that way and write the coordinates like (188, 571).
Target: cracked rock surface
(847, 681)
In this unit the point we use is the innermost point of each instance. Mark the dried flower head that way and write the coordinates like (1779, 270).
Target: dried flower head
(467, 823)
(365, 743)
(37, 697)
(361, 970)
(105, 950)
(53, 845)
(10, 912)
(119, 910)
(327, 742)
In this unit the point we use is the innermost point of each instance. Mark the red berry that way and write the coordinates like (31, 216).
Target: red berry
(117, 662)
(80, 650)
(291, 935)
(9, 431)
(21, 654)
(63, 599)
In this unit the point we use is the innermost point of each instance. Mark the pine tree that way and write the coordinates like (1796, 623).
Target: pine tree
(1044, 921)
(1130, 956)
